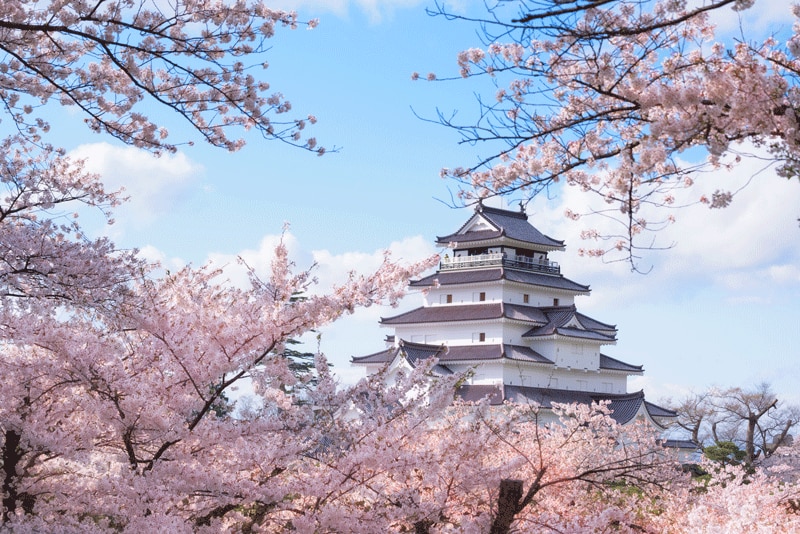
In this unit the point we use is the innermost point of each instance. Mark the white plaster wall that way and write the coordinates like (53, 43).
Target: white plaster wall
(460, 334)
(537, 297)
(514, 373)
(576, 355)
(438, 296)
(452, 334)
(487, 373)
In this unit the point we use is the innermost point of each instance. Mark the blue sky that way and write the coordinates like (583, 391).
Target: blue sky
(719, 308)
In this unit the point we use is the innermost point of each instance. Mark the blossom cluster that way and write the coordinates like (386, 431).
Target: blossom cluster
(113, 60)
(619, 98)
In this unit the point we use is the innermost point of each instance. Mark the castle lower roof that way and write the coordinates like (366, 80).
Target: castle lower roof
(546, 321)
(550, 281)
(468, 312)
(447, 354)
(623, 406)
(612, 364)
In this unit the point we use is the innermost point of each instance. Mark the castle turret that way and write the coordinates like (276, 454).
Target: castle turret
(499, 305)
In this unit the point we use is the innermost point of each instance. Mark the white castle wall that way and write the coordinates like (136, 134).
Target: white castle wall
(498, 293)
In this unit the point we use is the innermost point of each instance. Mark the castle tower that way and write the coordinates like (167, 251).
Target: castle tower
(499, 306)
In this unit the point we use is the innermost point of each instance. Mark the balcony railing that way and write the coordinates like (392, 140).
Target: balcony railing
(497, 260)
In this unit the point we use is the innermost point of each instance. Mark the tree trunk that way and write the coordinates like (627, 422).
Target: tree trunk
(422, 527)
(749, 444)
(11, 457)
(507, 506)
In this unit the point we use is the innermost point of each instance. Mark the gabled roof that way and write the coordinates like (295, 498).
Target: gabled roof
(468, 312)
(624, 406)
(566, 321)
(446, 278)
(502, 223)
(412, 352)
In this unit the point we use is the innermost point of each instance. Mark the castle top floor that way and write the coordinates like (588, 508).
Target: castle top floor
(494, 237)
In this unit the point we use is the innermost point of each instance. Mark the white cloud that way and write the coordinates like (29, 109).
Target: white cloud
(154, 184)
(328, 269)
(152, 254)
(749, 248)
(784, 274)
(375, 10)
(762, 18)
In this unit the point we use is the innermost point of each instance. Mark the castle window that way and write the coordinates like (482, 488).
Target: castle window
(482, 296)
(482, 336)
(555, 302)
(449, 299)
(526, 298)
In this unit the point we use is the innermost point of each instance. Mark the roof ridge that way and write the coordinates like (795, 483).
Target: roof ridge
(500, 211)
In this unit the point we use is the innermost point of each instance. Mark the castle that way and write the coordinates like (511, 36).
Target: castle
(500, 307)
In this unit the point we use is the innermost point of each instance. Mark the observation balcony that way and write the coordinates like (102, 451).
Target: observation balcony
(499, 260)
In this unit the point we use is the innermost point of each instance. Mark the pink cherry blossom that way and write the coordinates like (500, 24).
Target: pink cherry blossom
(610, 97)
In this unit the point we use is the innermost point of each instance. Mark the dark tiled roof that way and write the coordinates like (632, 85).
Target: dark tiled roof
(582, 334)
(612, 364)
(658, 411)
(624, 406)
(528, 314)
(491, 352)
(483, 351)
(437, 314)
(559, 317)
(544, 280)
(594, 324)
(468, 312)
(515, 352)
(680, 444)
(474, 393)
(384, 356)
(414, 353)
(468, 237)
(490, 275)
(511, 224)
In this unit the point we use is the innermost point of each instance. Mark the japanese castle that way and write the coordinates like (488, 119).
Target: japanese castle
(499, 306)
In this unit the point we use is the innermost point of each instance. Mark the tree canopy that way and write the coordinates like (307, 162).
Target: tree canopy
(115, 414)
(628, 100)
(118, 61)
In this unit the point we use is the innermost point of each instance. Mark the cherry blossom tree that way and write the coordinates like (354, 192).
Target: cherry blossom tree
(117, 61)
(631, 100)
(111, 414)
(404, 458)
(115, 413)
(403, 463)
(734, 500)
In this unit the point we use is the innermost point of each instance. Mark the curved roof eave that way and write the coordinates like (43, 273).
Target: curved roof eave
(500, 274)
